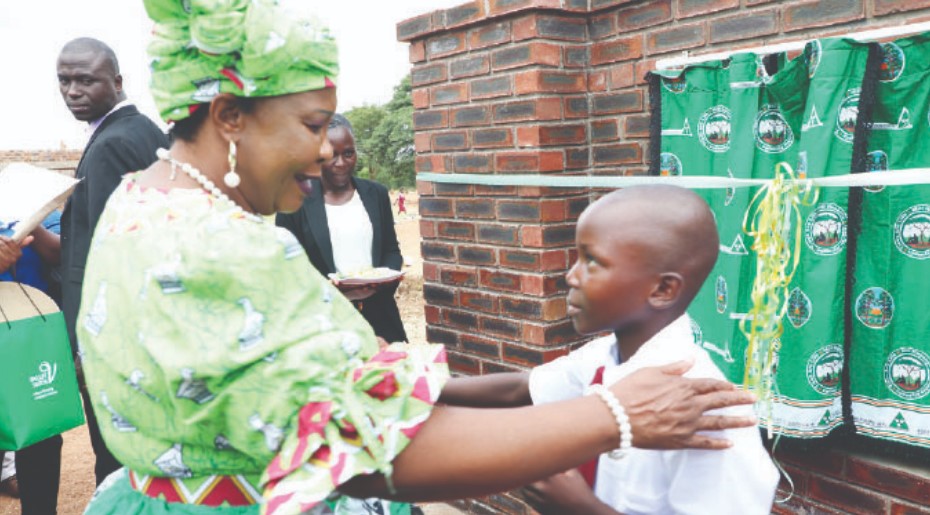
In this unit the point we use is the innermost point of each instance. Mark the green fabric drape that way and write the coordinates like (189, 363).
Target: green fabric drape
(890, 357)
(733, 119)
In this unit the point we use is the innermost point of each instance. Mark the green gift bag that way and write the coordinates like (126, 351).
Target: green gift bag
(39, 395)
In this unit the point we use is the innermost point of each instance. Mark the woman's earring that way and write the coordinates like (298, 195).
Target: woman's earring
(232, 178)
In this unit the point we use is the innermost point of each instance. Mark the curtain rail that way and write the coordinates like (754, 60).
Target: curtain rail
(868, 35)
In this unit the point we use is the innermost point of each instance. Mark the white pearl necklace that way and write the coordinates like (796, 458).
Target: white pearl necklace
(204, 182)
(195, 174)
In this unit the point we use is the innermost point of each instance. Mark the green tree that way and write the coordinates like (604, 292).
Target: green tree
(365, 120)
(384, 139)
(402, 95)
(393, 138)
(392, 146)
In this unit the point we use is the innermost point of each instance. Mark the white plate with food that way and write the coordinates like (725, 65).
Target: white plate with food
(370, 276)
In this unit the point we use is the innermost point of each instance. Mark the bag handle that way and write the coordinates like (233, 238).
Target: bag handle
(6, 319)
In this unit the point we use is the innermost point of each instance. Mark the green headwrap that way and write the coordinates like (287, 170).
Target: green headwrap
(249, 48)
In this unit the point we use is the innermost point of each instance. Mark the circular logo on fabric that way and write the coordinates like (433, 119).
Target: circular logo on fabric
(697, 333)
(773, 135)
(824, 369)
(906, 371)
(814, 51)
(721, 294)
(669, 165)
(876, 161)
(893, 62)
(714, 129)
(912, 232)
(801, 169)
(675, 84)
(875, 307)
(847, 115)
(799, 307)
(825, 230)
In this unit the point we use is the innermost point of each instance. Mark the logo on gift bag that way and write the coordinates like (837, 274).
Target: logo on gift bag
(824, 369)
(906, 371)
(46, 375)
(42, 382)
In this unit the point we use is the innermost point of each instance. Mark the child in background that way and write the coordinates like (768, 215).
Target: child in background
(643, 254)
(401, 203)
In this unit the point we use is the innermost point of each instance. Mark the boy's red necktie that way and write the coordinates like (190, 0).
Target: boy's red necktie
(589, 469)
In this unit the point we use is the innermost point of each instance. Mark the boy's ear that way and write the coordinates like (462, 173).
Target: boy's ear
(667, 291)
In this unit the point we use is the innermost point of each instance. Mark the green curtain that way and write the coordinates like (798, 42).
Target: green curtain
(732, 119)
(819, 94)
(890, 356)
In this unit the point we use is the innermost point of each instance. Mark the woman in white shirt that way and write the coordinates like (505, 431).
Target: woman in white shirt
(347, 225)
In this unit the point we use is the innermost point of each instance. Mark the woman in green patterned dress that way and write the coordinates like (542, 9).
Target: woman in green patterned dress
(228, 376)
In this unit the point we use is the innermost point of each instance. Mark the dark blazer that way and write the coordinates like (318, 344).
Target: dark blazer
(125, 142)
(309, 225)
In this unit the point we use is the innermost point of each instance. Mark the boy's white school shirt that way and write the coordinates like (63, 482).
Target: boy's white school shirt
(739, 480)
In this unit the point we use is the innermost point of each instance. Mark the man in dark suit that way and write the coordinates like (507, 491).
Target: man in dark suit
(121, 140)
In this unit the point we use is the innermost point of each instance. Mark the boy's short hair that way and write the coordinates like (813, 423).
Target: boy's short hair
(686, 240)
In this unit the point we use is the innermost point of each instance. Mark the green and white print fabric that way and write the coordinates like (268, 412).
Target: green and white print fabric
(890, 358)
(210, 345)
(732, 119)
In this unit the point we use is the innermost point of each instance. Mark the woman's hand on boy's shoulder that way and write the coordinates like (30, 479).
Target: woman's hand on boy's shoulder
(666, 410)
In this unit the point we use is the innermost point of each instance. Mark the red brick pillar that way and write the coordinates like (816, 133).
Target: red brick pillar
(505, 95)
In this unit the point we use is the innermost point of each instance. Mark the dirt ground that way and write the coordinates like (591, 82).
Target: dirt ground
(77, 474)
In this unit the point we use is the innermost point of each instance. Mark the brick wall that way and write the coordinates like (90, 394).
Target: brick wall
(64, 161)
(557, 87)
(830, 478)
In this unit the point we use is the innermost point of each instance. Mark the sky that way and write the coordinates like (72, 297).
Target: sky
(32, 33)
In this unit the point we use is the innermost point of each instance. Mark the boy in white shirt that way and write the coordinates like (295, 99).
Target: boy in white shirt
(643, 254)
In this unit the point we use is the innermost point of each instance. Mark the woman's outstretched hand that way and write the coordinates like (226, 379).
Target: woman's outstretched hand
(666, 409)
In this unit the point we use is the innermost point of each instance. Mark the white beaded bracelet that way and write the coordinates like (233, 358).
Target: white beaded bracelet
(623, 421)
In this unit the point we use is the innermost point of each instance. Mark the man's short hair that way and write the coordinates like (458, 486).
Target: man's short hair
(97, 47)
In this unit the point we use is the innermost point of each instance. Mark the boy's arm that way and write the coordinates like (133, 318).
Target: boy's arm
(565, 494)
(504, 390)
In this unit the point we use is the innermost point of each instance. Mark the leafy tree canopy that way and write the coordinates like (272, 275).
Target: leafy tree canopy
(384, 138)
